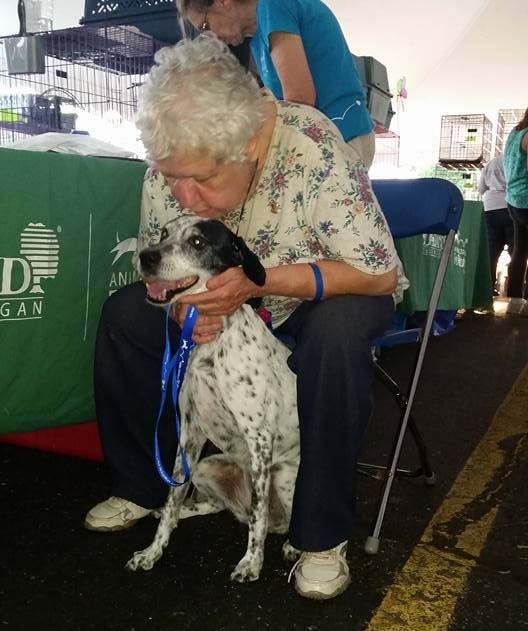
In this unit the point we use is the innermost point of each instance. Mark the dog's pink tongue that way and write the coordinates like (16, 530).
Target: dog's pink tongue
(158, 290)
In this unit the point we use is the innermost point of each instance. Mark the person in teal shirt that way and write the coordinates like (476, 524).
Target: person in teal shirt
(301, 55)
(516, 172)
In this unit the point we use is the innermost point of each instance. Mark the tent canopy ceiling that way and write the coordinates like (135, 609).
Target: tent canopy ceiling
(410, 37)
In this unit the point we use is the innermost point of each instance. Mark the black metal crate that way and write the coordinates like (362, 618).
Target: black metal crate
(157, 18)
(105, 10)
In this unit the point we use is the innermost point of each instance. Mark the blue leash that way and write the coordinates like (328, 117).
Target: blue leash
(173, 368)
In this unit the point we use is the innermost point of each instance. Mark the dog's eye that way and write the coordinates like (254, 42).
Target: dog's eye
(197, 242)
(164, 234)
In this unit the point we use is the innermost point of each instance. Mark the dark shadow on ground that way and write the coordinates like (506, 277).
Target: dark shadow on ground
(56, 576)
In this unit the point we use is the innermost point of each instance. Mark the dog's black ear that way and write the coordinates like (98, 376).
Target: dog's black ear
(231, 251)
(250, 262)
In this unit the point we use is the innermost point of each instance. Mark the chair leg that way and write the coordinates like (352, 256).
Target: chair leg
(391, 470)
(425, 469)
(372, 542)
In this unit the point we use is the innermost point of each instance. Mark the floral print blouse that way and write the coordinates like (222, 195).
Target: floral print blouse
(313, 201)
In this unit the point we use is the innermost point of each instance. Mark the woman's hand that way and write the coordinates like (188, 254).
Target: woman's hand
(206, 328)
(226, 293)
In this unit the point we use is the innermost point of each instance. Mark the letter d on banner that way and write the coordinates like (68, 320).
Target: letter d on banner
(9, 272)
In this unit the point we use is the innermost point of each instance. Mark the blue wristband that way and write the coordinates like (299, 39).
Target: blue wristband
(318, 282)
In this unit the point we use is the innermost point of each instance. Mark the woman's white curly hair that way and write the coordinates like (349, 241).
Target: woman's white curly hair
(198, 99)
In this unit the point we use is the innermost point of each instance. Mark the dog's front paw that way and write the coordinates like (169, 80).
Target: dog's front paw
(141, 560)
(289, 553)
(247, 570)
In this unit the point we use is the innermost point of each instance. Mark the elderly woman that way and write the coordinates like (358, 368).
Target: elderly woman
(281, 175)
(301, 55)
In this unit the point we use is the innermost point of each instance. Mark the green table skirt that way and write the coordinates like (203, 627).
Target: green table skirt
(467, 283)
(68, 232)
(69, 227)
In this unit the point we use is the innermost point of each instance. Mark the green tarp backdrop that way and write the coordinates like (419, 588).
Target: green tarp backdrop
(69, 227)
(68, 232)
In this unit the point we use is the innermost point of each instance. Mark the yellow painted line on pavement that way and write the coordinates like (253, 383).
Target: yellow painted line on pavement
(426, 590)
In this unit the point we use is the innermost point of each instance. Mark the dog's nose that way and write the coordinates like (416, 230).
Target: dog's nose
(149, 260)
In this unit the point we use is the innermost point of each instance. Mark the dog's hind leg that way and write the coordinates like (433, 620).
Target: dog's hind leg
(283, 476)
(194, 508)
(289, 553)
(170, 513)
(283, 479)
(220, 484)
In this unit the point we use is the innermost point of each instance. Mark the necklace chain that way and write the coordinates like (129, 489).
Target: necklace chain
(243, 207)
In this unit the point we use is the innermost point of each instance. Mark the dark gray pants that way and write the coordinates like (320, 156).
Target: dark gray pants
(499, 226)
(518, 268)
(334, 371)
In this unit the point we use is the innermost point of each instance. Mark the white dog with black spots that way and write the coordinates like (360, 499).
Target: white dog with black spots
(238, 393)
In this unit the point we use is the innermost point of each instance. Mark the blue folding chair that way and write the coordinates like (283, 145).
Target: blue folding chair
(412, 207)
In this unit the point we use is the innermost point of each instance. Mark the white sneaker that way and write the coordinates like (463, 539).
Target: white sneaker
(322, 575)
(517, 306)
(114, 513)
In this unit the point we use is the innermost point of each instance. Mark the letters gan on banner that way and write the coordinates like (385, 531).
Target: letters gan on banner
(67, 243)
(22, 292)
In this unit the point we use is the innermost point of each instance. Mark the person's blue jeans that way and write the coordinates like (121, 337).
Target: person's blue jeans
(333, 363)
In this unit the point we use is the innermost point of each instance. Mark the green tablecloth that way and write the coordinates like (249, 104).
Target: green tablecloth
(467, 283)
(68, 231)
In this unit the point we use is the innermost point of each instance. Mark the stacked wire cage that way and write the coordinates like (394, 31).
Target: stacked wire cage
(158, 18)
(97, 10)
(465, 139)
(387, 149)
(465, 147)
(39, 15)
(465, 179)
(90, 71)
(506, 121)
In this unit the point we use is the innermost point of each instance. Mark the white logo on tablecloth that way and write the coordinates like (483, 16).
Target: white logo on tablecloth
(460, 251)
(21, 291)
(127, 274)
(433, 244)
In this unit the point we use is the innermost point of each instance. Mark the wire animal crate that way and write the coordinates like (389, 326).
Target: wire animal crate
(157, 18)
(97, 10)
(465, 179)
(91, 73)
(465, 139)
(39, 15)
(387, 149)
(506, 121)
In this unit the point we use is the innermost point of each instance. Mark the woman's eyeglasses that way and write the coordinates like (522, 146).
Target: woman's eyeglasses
(204, 26)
